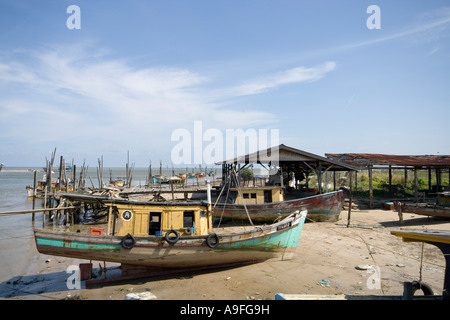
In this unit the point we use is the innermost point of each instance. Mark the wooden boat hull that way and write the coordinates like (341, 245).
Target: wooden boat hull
(423, 209)
(277, 241)
(322, 207)
(438, 238)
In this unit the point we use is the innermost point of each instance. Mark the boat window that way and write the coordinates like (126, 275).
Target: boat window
(245, 195)
(188, 219)
(155, 223)
(253, 195)
(267, 196)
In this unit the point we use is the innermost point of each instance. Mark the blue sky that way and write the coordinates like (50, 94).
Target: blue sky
(137, 71)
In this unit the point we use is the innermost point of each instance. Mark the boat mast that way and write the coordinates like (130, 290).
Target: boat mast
(208, 197)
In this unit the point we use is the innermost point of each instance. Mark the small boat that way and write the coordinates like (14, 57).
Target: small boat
(438, 238)
(159, 178)
(443, 199)
(176, 180)
(265, 204)
(176, 235)
(118, 182)
(40, 188)
(424, 209)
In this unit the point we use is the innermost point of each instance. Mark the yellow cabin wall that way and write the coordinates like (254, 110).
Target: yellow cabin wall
(277, 195)
(171, 218)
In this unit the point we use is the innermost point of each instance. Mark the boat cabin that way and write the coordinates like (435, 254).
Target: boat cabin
(143, 219)
(258, 195)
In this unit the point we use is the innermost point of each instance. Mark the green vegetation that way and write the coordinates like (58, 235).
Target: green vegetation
(246, 174)
(380, 182)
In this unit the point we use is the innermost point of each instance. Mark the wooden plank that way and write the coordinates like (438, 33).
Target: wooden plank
(5, 213)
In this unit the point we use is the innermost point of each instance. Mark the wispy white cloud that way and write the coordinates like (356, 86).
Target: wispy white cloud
(81, 96)
(435, 20)
(294, 75)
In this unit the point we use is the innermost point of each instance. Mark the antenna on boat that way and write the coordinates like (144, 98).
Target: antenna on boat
(208, 191)
(208, 197)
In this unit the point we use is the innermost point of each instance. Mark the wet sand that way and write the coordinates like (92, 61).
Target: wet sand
(324, 264)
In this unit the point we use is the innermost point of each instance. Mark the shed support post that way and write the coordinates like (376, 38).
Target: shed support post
(406, 177)
(390, 178)
(370, 188)
(334, 180)
(319, 177)
(416, 191)
(429, 179)
(350, 174)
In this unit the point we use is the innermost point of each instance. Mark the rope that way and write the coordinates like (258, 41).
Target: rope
(391, 251)
(421, 263)
(373, 259)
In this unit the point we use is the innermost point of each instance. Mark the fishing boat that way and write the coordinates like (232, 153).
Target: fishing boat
(175, 235)
(265, 204)
(159, 178)
(424, 209)
(40, 188)
(438, 238)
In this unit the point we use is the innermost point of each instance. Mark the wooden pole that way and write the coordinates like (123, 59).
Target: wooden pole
(319, 177)
(109, 221)
(74, 178)
(416, 191)
(429, 179)
(406, 177)
(60, 173)
(34, 192)
(370, 188)
(5, 213)
(334, 180)
(350, 173)
(390, 177)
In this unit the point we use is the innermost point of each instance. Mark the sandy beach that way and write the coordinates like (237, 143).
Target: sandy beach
(330, 259)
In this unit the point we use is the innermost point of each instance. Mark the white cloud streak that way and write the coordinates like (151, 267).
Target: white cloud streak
(294, 75)
(435, 20)
(79, 96)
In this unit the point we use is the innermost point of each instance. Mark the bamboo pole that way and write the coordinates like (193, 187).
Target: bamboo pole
(350, 173)
(5, 213)
(370, 188)
(416, 189)
(34, 192)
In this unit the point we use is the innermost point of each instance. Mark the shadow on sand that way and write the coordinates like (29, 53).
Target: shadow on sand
(413, 222)
(57, 285)
(39, 285)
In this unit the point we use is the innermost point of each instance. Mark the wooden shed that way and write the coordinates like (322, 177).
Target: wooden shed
(434, 164)
(288, 160)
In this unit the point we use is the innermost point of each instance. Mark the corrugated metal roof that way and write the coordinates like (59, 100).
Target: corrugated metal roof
(286, 154)
(395, 160)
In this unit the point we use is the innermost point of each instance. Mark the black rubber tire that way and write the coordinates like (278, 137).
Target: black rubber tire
(214, 244)
(426, 289)
(172, 239)
(128, 241)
